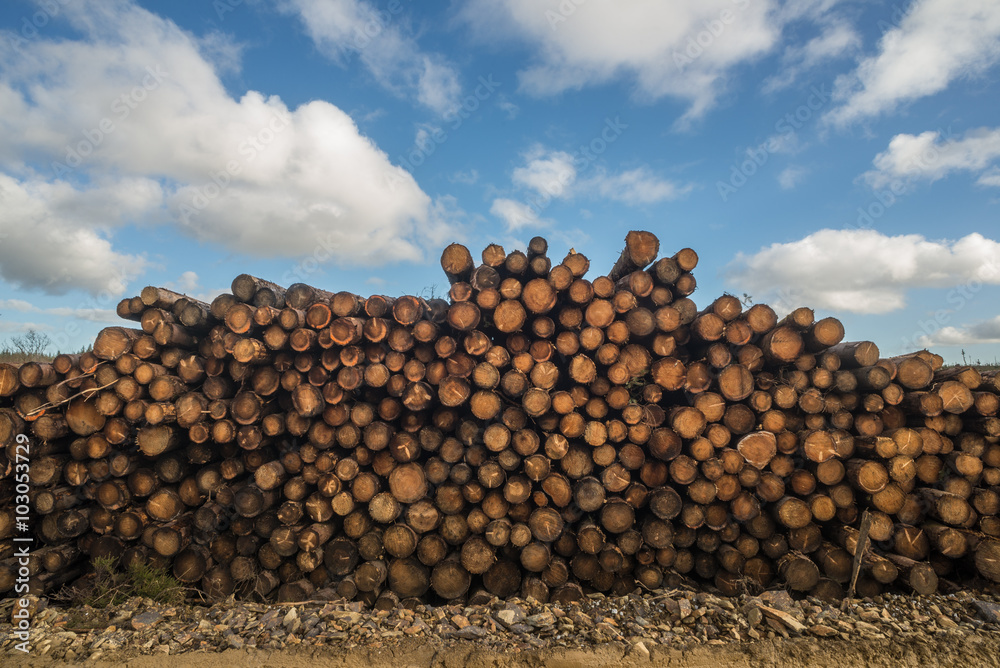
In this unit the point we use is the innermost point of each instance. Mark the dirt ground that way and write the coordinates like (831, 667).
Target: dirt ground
(942, 649)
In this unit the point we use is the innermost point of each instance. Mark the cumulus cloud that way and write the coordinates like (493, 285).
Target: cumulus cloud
(186, 283)
(547, 175)
(836, 40)
(934, 43)
(929, 157)
(130, 123)
(516, 215)
(380, 40)
(985, 331)
(546, 171)
(862, 271)
(684, 50)
(57, 238)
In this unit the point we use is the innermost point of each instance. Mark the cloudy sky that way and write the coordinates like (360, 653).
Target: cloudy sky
(838, 154)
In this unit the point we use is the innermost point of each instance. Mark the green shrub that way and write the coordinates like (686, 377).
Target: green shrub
(112, 586)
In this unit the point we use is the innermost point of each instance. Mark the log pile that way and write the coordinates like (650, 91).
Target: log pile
(537, 433)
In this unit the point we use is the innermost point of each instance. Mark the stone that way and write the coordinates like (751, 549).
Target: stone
(291, 617)
(470, 633)
(946, 623)
(778, 598)
(507, 617)
(822, 631)
(865, 627)
(351, 618)
(541, 619)
(519, 613)
(640, 651)
(987, 610)
(870, 616)
(146, 620)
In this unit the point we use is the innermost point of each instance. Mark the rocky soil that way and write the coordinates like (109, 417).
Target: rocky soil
(675, 627)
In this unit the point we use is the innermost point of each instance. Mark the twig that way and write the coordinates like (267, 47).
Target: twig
(53, 404)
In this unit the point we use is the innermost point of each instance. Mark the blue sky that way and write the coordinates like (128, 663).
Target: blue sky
(835, 154)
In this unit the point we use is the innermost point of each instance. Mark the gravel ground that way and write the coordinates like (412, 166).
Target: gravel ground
(675, 627)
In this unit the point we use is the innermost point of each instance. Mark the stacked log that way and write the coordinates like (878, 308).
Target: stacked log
(536, 433)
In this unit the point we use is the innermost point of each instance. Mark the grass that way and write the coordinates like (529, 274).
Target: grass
(111, 586)
(9, 356)
(13, 355)
(975, 364)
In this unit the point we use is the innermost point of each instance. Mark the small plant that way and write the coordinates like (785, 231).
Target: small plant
(111, 586)
(636, 385)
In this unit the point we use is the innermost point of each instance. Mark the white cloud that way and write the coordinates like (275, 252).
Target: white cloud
(188, 282)
(91, 314)
(508, 107)
(380, 40)
(991, 177)
(862, 271)
(19, 327)
(929, 157)
(791, 177)
(18, 305)
(935, 43)
(546, 172)
(554, 174)
(549, 175)
(58, 238)
(166, 144)
(787, 141)
(517, 215)
(836, 40)
(684, 50)
(82, 313)
(986, 331)
(636, 186)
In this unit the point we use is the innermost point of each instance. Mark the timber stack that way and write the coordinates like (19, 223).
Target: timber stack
(537, 433)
